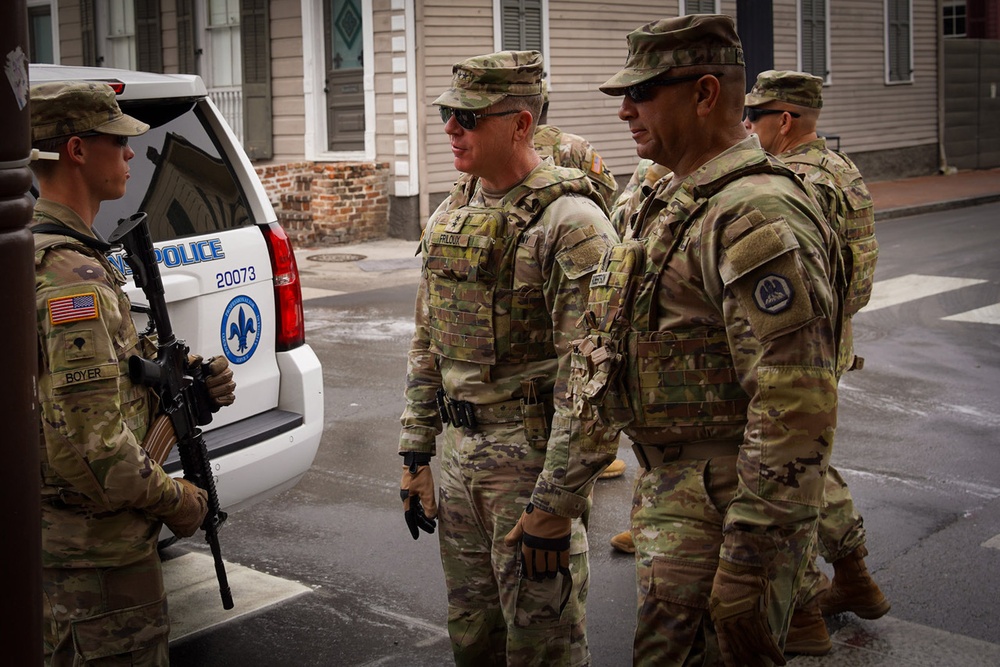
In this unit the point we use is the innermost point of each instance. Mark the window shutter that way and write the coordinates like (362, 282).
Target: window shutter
(88, 33)
(899, 40)
(148, 43)
(904, 39)
(255, 44)
(186, 56)
(521, 25)
(813, 31)
(699, 7)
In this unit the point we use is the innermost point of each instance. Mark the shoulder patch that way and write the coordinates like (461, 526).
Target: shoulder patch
(73, 308)
(773, 294)
(597, 164)
(583, 252)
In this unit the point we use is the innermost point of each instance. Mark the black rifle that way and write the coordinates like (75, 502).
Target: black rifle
(183, 396)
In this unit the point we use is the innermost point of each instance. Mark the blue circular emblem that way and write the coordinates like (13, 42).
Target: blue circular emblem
(773, 294)
(240, 329)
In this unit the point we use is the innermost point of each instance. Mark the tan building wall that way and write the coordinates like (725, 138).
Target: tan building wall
(586, 40)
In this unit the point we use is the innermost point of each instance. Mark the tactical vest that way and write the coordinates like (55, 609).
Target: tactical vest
(469, 254)
(855, 226)
(656, 381)
(547, 140)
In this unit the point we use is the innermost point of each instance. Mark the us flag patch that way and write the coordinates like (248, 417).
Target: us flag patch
(597, 164)
(74, 308)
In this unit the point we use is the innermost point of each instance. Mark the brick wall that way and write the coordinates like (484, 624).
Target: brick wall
(324, 203)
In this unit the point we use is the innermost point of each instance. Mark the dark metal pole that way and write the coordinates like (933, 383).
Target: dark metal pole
(20, 557)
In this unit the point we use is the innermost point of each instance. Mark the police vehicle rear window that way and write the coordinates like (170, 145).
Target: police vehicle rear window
(178, 176)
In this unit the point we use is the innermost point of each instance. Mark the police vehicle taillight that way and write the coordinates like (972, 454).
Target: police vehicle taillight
(291, 329)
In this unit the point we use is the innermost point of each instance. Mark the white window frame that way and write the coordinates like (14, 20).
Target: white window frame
(955, 3)
(828, 78)
(206, 65)
(104, 37)
(546, 49)
(53, 6)
(313, 82)
(682, 8)
(886, 46)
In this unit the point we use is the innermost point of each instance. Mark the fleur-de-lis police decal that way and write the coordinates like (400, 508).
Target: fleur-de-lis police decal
(240, 329)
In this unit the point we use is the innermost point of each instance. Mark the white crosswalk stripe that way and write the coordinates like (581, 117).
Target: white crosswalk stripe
(984, 315)
(894, 291)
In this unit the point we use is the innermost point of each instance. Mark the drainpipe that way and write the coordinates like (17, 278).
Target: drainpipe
(21, 557)
(423, 198)
(943, 167)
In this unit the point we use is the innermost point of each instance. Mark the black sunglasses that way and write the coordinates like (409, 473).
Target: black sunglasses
(754, 114)
(467, 119)
(641, 92)
(120, 139)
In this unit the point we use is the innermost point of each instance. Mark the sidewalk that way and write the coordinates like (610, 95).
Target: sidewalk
(329, 271)
(924, 194)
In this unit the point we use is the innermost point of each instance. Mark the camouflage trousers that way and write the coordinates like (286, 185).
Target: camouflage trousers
(107, 617)
(494, 616)
(840, 531)
(677, 517)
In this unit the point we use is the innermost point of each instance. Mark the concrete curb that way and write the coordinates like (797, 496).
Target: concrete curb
(933, 207)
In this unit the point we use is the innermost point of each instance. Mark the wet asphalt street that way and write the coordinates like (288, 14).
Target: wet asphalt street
(918, 443)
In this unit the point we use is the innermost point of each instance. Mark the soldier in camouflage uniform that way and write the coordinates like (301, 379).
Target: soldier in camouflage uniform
(507, 259)
(782, 109)
(713, 345)
(572, 150)
(640, 185)
(103, 498)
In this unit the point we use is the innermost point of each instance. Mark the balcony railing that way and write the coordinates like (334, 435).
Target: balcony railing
(229, 99)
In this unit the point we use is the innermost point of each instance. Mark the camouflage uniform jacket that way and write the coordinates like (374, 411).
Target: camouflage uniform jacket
(100, 491)
(571, 150)
(640, 186)
(848, 207)
(715, 285)
(556, 253)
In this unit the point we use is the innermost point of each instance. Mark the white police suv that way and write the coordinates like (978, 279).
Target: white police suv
(229, 274)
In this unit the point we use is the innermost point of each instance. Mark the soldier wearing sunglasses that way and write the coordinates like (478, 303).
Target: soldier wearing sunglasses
(782, 109)
(507, 262)
(721, 367)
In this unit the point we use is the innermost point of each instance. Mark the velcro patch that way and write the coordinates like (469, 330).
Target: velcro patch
(81, 375)
(584, 256)
(73, 308)
(775, 298)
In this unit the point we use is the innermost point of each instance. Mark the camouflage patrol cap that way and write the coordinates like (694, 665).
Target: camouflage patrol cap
(695, 39)
(484, 80)
(64, 108)
(799, 88)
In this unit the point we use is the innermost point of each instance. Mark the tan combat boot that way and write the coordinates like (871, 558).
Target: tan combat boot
(853, 589)
(623, 542)
(615, 469)
(807, 634)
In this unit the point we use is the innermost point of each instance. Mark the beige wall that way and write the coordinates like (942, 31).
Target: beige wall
(70, 44)
(289, 121)
(867, 113)
(448, 36)
(587, 45)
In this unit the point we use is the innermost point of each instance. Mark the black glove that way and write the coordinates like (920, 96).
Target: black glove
(545, 540)
(416, 490)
